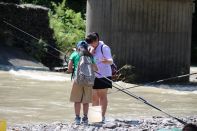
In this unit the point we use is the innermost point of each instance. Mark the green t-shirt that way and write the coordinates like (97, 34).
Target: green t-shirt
(75, 57)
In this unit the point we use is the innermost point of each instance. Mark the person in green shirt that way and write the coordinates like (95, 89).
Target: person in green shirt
(80, 95)
(74, 58)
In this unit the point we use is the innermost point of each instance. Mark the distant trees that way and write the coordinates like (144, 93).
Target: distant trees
(68, 26)
(67, 19)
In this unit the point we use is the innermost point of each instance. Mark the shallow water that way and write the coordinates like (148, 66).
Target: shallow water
(40, 96)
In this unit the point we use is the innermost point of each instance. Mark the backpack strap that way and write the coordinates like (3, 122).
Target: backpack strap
(102, 49)
(73, 72)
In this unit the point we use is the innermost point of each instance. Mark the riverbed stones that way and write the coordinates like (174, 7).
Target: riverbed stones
(149, 124)
(110, 125)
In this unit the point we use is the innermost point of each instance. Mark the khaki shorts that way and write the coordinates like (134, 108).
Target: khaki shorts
(81, 94)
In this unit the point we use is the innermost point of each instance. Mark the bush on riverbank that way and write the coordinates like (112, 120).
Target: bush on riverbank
(68, 26)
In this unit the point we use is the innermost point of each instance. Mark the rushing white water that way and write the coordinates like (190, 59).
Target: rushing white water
(42, 96)
(40, 75)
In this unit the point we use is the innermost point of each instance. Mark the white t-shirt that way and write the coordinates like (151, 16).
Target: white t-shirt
(103, 69)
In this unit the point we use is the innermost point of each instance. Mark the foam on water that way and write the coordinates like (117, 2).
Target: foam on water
(40, 75)
(163, 88)
(176, 90)
(194, 92)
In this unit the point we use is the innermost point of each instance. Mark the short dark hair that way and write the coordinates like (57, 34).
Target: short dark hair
(92, 37)
(190, 127)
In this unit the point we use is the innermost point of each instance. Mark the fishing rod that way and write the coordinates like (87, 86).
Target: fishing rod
(32, 36)
(141, 99)
(27, 42)
(154, 82)
(123, 90)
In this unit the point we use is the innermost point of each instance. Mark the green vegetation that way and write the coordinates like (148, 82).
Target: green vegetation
(68, 26)
(37, 49)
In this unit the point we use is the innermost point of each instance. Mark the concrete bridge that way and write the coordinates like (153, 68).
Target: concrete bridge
(152, 35)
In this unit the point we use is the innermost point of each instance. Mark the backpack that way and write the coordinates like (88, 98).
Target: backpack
(113, 65)
(85, 74)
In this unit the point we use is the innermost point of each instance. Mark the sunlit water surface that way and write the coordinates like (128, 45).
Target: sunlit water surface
(40, 96)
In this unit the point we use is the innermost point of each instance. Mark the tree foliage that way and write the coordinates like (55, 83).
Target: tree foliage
(68, 26)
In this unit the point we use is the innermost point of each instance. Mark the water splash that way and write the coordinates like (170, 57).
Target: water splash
(40, 75)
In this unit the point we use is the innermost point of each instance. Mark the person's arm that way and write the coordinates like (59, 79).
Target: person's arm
(107, 56)
(70, 63)
(70, 66)
(107, 61)
(94, 66)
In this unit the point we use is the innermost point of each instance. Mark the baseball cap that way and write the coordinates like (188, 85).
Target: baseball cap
(82, 44)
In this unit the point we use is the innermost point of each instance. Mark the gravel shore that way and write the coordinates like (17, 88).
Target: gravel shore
(148, 124)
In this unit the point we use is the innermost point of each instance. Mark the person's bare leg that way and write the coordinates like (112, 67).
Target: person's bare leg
(85, 113)
(103, 100)
(85, 108)
(77, 106)
(95, 98)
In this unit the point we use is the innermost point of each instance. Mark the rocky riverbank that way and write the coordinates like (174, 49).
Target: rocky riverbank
(148, 124)
(34, 20)
(16, 58)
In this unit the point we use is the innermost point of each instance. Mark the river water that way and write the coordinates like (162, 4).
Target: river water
(41, 96)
